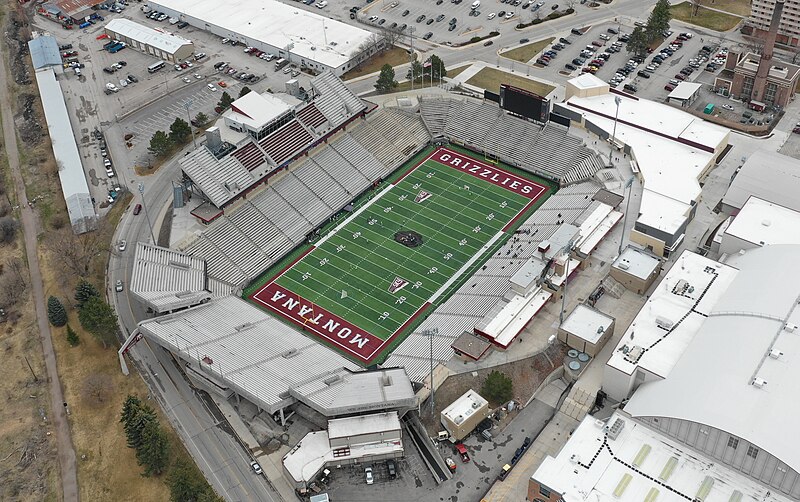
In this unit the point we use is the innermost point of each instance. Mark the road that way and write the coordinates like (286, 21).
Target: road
(624, 10)
(66, 452)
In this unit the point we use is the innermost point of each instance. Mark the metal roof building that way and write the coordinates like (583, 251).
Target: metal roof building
(253, 353)
(767, 175)
(300, 36)
(156, 43)
(44, 52)
(81, 211)
(732, 393)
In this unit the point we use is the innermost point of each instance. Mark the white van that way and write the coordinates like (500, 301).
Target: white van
(78, 72)
(476, 4)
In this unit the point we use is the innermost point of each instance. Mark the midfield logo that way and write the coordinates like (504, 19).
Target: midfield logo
(397, 284)
(422, 196)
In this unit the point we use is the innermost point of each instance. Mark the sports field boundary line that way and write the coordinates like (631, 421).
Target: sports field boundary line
(355, 214)
(458, 273)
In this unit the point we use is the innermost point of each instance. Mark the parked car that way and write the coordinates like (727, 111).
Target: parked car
(392, 468)
(119, 287)
(368, 475)
(256, 468)
(427, 36)
(123, 244)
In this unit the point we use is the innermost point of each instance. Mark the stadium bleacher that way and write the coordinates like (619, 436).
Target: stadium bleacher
(286, 142)
(254, 234)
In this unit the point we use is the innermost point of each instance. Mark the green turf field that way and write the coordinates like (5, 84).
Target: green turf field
(349, 273)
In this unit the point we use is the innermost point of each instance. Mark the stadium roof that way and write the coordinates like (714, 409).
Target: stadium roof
(44, 52)
(763, 223)
(358, 392)
(739, 372)
(769, 176)
(660, 349)
(641, 465)
(166, 280)
(310, 35)
(256, 110)
(657, 132)
(363, 424)
(81, 211)
(256, 354)
(166, 42)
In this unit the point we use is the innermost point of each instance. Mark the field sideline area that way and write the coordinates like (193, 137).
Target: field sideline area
(363, 285)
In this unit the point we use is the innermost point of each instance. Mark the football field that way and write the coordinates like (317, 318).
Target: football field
(360, 286)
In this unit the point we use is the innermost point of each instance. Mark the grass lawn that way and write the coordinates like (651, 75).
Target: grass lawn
(710, 19)
(491, 78)
(407, 249)
(738, 7)
(394, 56)
(525, 53)
(456, 71)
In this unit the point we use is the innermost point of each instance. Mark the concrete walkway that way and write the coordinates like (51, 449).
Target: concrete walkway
(66, 452)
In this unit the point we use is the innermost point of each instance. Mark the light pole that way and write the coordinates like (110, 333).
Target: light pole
(617, 100)
(413, 56)
(146, 214)
(187, 105)
(568, 249)
(430, 333)
(628, 185)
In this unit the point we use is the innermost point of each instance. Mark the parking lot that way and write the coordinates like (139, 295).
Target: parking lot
(455, 21)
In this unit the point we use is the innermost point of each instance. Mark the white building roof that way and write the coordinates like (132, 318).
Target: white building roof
(309, 456)
(464, 406)
(81, 211)
(587, 323)
(656, 132)
(161, 40)
(764, 223)
(254, 353)
(257, 110)
(360, 391)
(684, 91)
(313, 37)
(712, 381)
(588, 81)
(363, 424)
(659, 349)
(593, 468)
(44, 51)
(769, 176)
(636, 262)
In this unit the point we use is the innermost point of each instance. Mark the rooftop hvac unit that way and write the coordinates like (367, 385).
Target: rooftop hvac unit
(614, 429)
(663, 322)
(458, 420)
(759, 382)
(775, 353)
(475, 405)
(332, 379)
(575, 459)
(790, 328)
(623, 266)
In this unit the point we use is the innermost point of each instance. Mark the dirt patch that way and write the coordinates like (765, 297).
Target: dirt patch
(527, 375)
(29, 127)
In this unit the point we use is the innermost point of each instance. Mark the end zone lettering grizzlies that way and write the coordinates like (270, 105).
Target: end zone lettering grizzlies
(491, 174)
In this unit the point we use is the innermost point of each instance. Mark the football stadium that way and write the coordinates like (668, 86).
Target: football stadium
(363, 284)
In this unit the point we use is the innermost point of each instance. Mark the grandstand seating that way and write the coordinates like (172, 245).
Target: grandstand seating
(334, 99)
(250, 156)
(286, 141)
(311, 116)
(261, 230)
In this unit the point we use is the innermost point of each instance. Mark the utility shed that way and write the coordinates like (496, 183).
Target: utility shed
(464, 414)
(586, 329)
(364, 429)
(636, 269)
(156, 43)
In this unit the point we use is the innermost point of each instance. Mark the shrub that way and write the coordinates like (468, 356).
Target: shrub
(72, 337)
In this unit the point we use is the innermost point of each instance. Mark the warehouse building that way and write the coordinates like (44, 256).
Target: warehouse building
(299, 36)
(44, 51)
(156, 43)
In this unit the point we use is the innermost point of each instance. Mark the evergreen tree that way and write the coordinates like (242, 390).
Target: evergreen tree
(436, 67)
(201, 118)
(135, 426)
(56, 313)
(416, 68)
(658, 22)
(498, 387)
(637, 43)
(98, 318)
(85, 290)
(179, 131)
(244, 91)
(153, 453)
(131, 405)
(386, 81)
(160, 144)
(72, 337)
(186, 483)
(225, 101)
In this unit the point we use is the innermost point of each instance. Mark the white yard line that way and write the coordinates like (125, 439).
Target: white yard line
(466, 265)
(359, 211)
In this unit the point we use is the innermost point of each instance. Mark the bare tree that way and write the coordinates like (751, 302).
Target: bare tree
(570, 4)
(390, 36)
(77, 252)
(695, 4)
(13, 283)
(97, 389)
(8, 229)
